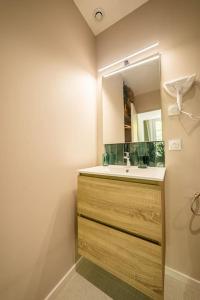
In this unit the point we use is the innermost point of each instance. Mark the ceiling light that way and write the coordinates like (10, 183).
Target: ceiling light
(98, 14)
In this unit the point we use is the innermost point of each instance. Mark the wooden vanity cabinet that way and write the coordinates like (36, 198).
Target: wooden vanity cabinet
(120, 228)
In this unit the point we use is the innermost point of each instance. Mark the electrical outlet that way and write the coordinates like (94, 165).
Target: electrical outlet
(175, 145)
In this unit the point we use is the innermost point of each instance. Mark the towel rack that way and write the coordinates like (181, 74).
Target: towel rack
(195, 206)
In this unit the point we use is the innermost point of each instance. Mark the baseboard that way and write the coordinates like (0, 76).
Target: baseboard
(179, 286)
(63, 281)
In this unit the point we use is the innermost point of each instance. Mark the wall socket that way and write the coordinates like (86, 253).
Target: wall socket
(175, 145)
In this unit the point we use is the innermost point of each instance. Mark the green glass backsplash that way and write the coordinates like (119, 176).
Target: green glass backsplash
(149, 153)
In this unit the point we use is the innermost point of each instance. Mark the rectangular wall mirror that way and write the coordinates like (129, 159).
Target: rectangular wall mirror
(132, 104)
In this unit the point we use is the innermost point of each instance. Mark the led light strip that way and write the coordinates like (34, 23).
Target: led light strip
(138, 63)
(130, 56)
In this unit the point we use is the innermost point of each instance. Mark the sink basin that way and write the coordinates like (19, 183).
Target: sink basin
(150, 173)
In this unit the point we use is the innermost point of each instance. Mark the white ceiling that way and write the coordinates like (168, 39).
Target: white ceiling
(114, 11)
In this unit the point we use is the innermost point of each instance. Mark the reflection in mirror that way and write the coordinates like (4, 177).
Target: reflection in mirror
(132, 104)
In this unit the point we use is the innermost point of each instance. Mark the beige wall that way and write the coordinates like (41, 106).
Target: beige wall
(47, 132)
(113, 110)
(176, 24)
(147, 102)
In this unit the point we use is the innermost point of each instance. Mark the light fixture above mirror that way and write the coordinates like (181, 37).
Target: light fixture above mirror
(120, 63)
(128, 65)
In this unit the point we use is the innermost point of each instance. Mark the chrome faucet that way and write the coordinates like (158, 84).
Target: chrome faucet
(127, 157)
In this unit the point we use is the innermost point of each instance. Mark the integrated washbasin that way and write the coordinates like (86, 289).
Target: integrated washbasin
(150, 173)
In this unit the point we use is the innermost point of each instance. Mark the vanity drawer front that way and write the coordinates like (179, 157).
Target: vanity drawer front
(133, 207)
(133, 260)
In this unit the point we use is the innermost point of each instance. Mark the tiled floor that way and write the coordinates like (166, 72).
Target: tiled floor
(89, 282)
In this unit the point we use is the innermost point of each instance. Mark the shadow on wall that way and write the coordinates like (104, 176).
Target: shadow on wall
(192, 99)
(186, 219)
(195, 225)
(109, 284)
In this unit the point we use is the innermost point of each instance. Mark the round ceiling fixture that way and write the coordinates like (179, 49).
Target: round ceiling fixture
(98, 14)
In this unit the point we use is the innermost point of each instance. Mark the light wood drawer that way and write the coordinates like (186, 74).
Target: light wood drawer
(133, 260)
(133, 207)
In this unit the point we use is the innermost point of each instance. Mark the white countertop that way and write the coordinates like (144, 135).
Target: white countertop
(150, 173)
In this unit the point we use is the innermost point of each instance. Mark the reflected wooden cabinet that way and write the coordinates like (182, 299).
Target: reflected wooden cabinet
(120, 228)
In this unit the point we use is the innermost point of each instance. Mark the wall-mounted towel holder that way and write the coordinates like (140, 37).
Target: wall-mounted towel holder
(195, 206)
(177, 89)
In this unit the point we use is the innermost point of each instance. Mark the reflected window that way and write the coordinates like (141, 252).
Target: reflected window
(149, 126)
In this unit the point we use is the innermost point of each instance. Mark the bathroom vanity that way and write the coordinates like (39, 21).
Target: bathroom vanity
(121, 224)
